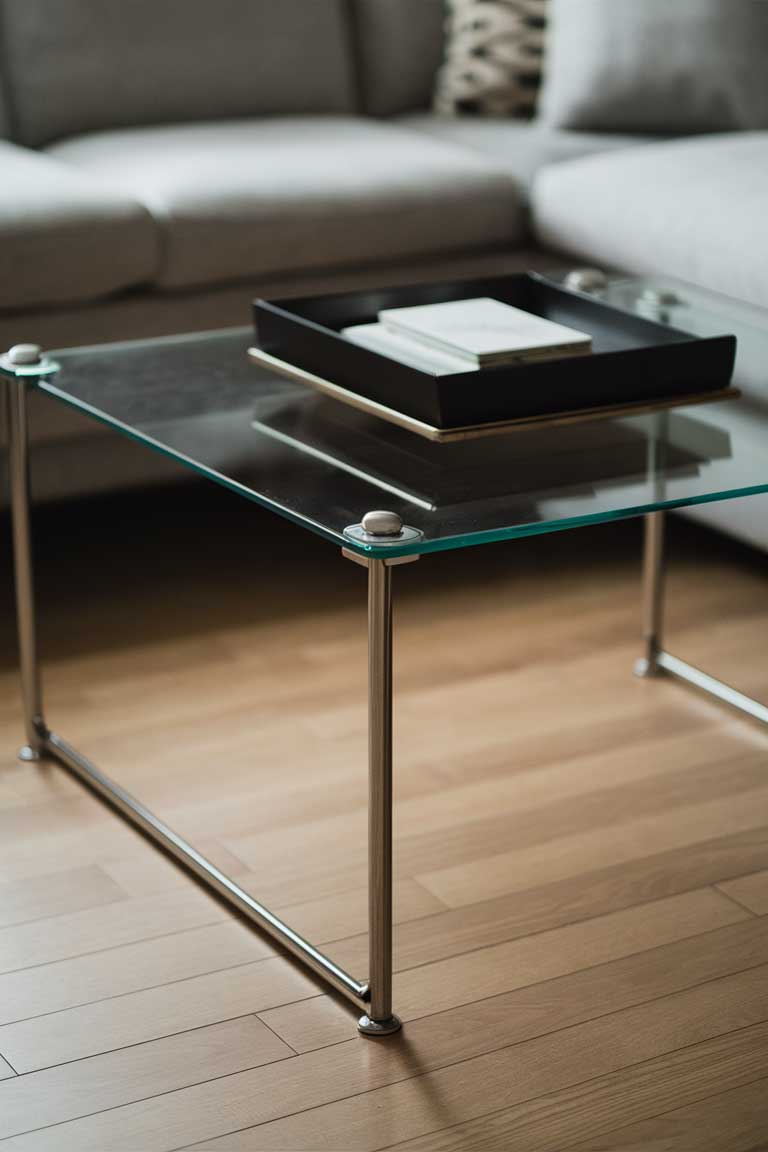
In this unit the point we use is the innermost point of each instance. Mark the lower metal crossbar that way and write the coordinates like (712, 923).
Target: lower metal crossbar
(375, 995)
(134, 811)
(656, 660)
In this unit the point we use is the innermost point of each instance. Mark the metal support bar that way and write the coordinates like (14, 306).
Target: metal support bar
(380, 1019)
(15, 367)
(18, 471)
(682, 671)
(135, 812)
(653, 593)
(655, 659)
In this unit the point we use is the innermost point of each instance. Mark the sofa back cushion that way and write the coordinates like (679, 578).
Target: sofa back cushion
(81, 65)
(400, 46)
(5, 130)
(657, 65)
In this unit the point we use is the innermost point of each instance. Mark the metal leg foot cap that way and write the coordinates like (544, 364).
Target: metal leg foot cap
(386, 1027)
(28, 754)
(644, 668)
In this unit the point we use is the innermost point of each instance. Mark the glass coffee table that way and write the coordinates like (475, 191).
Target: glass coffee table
(385, 497)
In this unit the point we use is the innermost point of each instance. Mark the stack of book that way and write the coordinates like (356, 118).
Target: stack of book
(467, 335)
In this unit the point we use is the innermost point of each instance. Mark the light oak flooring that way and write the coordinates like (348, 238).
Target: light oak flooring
(581, 869)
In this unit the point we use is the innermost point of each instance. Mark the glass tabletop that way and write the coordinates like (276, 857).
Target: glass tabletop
(199, 400)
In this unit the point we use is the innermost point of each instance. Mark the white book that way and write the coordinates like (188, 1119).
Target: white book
(485, 331)
(407, 350)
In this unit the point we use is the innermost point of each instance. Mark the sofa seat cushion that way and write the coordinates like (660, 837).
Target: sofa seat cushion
(520, 147)
(248, 198)
(694, 209)
(66, 237)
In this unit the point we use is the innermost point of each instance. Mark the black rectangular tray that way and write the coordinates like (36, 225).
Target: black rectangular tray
(634, 360)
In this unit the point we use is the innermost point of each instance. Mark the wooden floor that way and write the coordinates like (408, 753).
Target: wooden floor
(582, 858)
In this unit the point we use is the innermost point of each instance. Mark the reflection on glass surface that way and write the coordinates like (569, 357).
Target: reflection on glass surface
(199, 400)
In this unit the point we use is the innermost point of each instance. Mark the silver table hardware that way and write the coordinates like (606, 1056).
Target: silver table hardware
(655, 660)
(27, 360)
(381, 529)
(370, 537)
(587, 280)
(373, 995)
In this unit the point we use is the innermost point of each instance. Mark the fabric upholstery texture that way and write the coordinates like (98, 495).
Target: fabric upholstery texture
(75, 66)
(285, 195)
(64, 237)
(400, 48)
(521, 148)
(5, 120)
(693, 209)
(493, 57)
(672, 66)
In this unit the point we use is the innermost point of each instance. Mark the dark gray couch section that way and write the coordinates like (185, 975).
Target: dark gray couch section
(399, 49)
(81, 65)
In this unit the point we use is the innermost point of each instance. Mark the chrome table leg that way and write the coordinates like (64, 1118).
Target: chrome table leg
(380, 528)
(653, 592)
(18, 474)
(656, 659)
(379, 1021)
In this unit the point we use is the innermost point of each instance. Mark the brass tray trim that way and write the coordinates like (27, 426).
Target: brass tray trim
(475, 431)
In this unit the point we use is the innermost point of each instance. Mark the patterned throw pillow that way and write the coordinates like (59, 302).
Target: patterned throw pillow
(493, 63)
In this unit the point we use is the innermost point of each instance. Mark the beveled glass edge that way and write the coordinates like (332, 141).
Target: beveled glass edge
(546, 527)
(244, 330)
(423, 546)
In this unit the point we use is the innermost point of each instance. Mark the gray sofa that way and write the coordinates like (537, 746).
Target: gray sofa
(164, 161)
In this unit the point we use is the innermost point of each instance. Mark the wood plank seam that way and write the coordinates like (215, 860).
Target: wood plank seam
(140, 1043)
(96, 1062)
(595, 967)
(156, 1096)
(732, 898)
(437, 1067)
(605, 1132)
(222, 916)
(151, 987)
(250, 963)
(735, 900)
(116, 947)
(453, 1064)
(671, 1111)
(266, 1025)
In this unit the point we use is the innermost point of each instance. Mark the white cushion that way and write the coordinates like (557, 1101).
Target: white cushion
(672, 66)
(694, 209)
(64, 236)
(238, 199)
(519, 147)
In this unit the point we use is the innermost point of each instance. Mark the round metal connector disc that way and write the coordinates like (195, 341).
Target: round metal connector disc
(28, 755)
(660, 298)
(387, 1027)
(406, 535)
(27, 360)
(382, 524)
(24, 355)
(589, 280)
